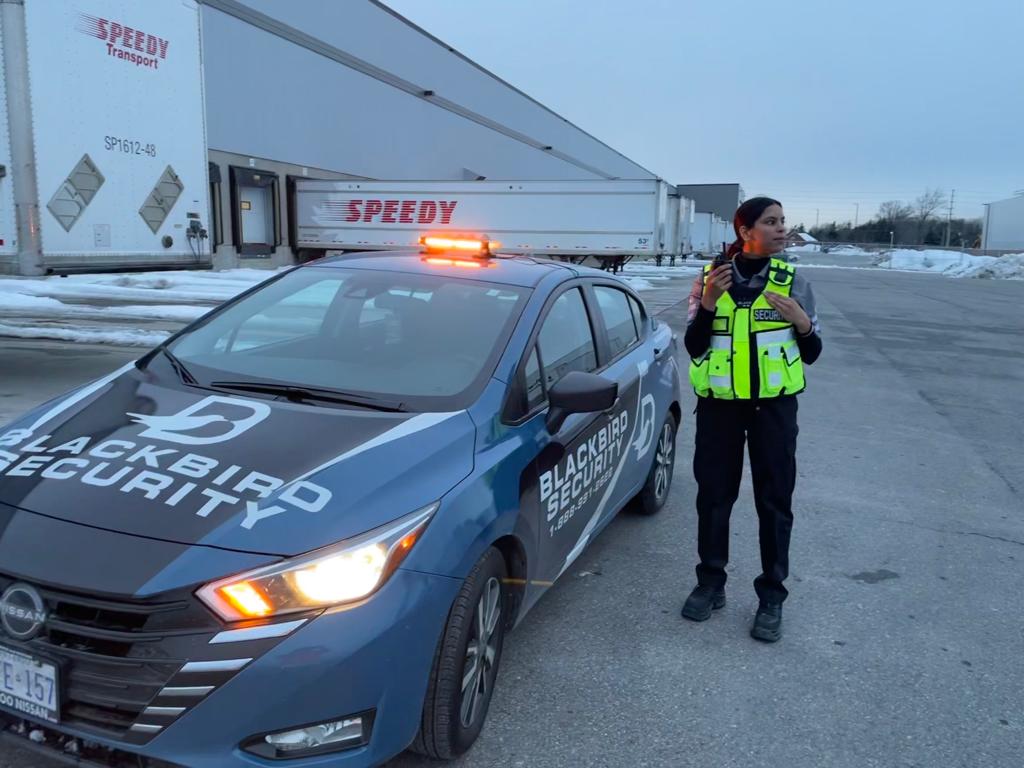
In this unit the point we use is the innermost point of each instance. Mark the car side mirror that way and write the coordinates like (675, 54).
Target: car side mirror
(579, 392)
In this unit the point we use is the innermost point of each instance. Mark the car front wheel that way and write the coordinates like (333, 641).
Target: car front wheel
(465, 663)
(659, 480)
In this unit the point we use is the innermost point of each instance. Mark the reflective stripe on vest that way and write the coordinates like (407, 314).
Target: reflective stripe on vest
(723, 371)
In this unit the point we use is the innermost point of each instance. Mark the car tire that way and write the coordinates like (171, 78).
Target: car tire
(654, 494)
(451, 721)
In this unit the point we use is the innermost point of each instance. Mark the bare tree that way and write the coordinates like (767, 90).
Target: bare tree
(925, 207)
(894, 217)
(893, 211)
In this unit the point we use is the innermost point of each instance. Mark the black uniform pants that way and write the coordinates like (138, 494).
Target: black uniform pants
(769, 429)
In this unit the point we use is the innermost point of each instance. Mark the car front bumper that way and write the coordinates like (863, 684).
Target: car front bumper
(375, 656)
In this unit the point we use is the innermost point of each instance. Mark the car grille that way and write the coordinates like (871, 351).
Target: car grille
(67, 750)
(116, 658)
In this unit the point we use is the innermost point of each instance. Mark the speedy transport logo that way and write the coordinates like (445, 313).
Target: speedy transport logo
(124, 42)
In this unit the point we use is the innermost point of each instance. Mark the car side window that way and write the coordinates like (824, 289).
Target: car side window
(614, 307)
(638, 315)
(566, 341)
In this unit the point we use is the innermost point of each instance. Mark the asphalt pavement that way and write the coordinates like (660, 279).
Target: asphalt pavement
(903, 632)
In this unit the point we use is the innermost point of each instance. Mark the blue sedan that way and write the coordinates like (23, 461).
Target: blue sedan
(300, 529)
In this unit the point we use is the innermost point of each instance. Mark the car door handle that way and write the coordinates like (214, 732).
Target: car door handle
(659, 352)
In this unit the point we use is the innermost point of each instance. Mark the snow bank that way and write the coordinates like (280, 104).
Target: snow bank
(956, 264)
(849, 250)
(123, 337)
(118, 307)
(637, 283)
(664, 272)
(808, 248)
(177, 287)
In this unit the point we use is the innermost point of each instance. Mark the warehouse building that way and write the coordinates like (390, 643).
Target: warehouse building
(313, 89)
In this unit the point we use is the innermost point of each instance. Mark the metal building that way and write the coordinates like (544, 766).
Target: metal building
(720, 199)
(353, 90)
(164, 120)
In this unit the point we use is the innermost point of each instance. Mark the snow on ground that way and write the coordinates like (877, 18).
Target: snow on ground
(651, 271)
(162, 287)
(137, 309)
(806, 248)
(142, 309)
(121, 337)
(849, 250)
(956, 264)
(638, 283)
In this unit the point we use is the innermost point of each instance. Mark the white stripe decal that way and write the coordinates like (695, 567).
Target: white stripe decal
(406, 428)
(774, 337)
(595, 518)
(80, 395)
(256, 633)
(721, 342)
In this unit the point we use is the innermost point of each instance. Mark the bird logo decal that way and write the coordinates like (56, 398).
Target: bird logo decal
(211, 420)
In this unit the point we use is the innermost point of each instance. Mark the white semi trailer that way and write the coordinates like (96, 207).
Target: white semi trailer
(95, 171)
(607, 221)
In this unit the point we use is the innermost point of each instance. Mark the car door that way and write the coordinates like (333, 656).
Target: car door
(628, 357)
(565, 487)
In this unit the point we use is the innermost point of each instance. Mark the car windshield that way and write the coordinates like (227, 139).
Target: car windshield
(424, 341)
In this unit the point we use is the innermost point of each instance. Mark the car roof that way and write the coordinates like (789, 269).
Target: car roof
(522, 271)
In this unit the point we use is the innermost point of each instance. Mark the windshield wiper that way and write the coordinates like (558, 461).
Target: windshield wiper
(179, 367)
(311, 394)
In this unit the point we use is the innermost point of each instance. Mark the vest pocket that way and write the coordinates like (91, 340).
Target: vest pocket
(793, 375)
(720, 372)
(772, 369)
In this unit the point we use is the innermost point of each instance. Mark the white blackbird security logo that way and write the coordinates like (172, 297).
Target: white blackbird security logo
(171, 477)
(577, 479)
(204, 422)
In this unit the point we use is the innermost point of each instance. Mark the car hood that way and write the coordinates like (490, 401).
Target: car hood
(136, 454)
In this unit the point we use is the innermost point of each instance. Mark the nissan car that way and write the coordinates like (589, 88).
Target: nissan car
(298, 531)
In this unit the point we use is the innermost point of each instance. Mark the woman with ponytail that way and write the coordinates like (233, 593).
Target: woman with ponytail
(751, 331)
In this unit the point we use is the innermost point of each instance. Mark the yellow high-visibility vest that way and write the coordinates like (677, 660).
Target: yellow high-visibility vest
(723, 371)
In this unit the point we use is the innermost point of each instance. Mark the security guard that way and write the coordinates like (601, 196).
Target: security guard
(752, 329)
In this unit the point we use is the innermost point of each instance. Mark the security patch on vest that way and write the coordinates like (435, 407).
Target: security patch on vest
(768, 316)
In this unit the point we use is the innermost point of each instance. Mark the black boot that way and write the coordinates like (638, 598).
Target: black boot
(767, 622)
(702, 601)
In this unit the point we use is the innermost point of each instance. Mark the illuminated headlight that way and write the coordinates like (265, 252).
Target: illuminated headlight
(342, 573)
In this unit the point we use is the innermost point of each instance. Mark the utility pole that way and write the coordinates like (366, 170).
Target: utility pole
(856, 214)
(817, 211)
(949, 217)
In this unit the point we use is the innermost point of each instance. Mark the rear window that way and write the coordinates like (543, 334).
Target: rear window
(424, 340)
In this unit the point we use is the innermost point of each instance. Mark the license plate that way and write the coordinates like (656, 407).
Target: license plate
(29, 686)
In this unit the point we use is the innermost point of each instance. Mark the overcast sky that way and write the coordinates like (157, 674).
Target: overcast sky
(821, 103)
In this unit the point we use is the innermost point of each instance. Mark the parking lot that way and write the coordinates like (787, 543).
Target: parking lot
(904, 634)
